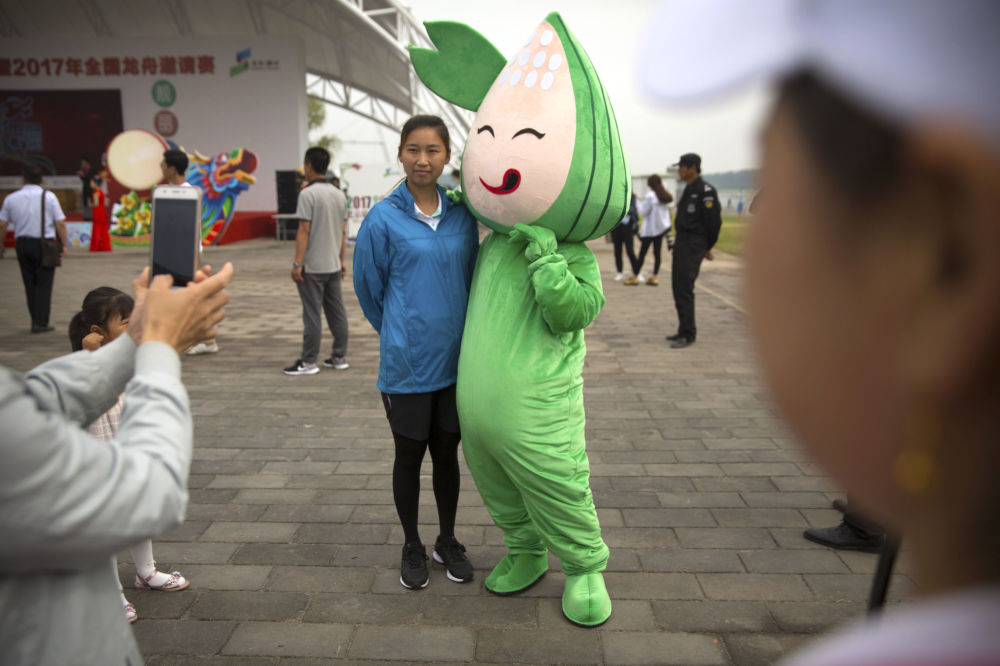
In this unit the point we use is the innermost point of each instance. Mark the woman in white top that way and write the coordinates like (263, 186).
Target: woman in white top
(655, 225)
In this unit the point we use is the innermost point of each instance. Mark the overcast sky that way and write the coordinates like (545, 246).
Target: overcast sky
(723, 132)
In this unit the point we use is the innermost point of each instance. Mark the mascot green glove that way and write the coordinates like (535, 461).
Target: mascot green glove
(544, 169)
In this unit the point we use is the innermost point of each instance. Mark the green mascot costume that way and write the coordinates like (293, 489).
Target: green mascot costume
(544, 169)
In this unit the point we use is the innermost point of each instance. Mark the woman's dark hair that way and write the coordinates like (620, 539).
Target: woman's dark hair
(656, 185)
(98, 307)
(416, 122)
(859, 151)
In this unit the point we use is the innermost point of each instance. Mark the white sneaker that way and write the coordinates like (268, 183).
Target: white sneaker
(619, 277)
(336, 362)
(300, 368)
(209, 347)
(641, 278)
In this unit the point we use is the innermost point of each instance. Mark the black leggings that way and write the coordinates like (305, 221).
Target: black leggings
(657, 243)
(445, 477)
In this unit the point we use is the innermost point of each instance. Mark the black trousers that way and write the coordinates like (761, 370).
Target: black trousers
(622, 236)
(644, 243)
(36, 278)
(689, 250)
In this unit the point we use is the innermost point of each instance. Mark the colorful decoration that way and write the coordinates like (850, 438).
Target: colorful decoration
(544, 169)
(131, 220)
(221, 178)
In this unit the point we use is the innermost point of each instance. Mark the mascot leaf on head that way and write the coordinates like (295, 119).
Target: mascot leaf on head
(544, 169)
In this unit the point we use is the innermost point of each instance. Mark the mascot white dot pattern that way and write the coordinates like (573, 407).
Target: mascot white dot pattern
(513, 76)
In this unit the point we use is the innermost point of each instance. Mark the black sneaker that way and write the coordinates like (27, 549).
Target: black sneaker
(413, 570)
(449, 552)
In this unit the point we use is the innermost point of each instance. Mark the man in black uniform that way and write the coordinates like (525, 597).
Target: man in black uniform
(697, 223)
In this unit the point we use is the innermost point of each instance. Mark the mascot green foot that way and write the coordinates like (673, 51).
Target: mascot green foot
(516, 573)
(585, 600)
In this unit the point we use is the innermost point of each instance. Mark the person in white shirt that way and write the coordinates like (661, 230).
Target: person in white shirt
(655, 226)
(23, 209)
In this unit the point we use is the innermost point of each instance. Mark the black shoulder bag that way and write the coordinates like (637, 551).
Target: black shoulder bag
(51, 247)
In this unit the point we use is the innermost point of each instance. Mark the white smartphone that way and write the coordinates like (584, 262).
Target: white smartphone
(175, 236)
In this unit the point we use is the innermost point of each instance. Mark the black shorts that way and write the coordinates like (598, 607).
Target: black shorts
(412, 415)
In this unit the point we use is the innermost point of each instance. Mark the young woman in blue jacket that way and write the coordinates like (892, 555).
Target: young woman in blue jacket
(413, 266)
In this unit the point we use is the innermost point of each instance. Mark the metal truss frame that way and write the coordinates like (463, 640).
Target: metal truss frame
(394, 23)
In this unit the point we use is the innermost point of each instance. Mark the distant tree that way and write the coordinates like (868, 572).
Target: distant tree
(316, 117)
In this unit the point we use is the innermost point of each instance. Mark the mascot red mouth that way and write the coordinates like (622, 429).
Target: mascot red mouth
(511, 181)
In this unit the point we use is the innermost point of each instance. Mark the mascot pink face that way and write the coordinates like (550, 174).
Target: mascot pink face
(520, 147)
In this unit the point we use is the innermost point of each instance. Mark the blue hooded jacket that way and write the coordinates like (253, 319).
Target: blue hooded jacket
(413, 285)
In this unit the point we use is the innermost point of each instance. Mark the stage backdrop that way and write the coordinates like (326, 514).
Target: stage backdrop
(214, 95)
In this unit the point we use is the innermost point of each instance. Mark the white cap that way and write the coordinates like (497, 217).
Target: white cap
(903, 59)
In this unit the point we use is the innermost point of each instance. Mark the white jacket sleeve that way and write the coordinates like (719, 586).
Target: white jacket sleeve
(69, 500)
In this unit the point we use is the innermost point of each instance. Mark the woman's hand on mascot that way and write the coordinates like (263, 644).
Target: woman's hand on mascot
(538, 241)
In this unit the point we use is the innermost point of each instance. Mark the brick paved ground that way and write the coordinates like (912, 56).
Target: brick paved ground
(292, 543)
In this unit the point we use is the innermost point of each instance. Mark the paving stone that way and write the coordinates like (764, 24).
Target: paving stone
(733, 484)
(652, 484)
(724, 537)
(224, 512)
(855, 587)
(187, 637)
(289, 639)
(652, 586)
(226, 576)
(248, 481)
(639, 537)
(780, 561)
(755, 587)
(274, 496)
(284, 553)
(691, 560)
(307, 513)
(684, 469)
(659, 648)
(761, 649)
(189, 660)
(713, 616)
(155, 605)
(248, 606)
(326, 579)
(401, 642)
(189, 530)
(250, 532)
(668, 517)
(759, 517)
(696, 499)
(812, 617)
(173, 554)
(365, 608)
(479, 611)
(547, 646)
(626, 499)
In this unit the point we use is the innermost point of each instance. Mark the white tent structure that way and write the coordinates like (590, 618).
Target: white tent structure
(355, 50)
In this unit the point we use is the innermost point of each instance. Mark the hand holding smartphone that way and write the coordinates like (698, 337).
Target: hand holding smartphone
(175, 237)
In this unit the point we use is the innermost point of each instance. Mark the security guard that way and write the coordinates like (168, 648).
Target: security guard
(697, 223)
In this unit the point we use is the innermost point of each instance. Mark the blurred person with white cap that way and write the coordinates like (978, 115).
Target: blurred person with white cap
(872, 278)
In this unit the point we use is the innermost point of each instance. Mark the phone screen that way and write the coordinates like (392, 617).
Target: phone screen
(175, 238)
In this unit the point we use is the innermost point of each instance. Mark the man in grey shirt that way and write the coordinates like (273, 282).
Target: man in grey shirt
(69, 501)
(317, 269)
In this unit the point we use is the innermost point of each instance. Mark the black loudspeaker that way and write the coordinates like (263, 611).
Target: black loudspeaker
(288, 183)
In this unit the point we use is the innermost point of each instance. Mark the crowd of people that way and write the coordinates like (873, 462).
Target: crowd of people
(870, 286)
